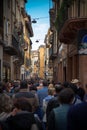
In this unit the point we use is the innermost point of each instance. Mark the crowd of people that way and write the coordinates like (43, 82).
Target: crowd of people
(43, 105)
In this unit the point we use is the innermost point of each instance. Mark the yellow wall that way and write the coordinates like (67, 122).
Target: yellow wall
(42, 61)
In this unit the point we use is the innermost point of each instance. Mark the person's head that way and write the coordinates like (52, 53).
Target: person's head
(8, 86)
(22, 104)
(51, 91)
(50, 85)
(45, 83)
(75, 81)
(6, 103)
(73, 87)
(58, 88)
(66, 96)
(23, 84)
(65, 84)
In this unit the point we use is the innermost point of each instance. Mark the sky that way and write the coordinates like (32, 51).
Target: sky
(39, 10)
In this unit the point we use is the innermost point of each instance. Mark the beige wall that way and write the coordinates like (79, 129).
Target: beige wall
(42, 61)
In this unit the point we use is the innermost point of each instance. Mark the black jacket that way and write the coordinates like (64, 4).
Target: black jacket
(22, 121)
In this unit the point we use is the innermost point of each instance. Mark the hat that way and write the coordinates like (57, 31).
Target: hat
(74, 81)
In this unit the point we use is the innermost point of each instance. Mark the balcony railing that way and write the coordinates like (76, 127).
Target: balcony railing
(68, 26)
(14, 48)
(11, 45)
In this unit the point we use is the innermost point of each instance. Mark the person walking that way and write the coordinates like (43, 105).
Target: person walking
(24, 92)
(21, 117)
(53, 103)
(58, 117)
(6, 104)
(77, 117)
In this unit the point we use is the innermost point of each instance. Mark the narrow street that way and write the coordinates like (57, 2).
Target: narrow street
(43, 64)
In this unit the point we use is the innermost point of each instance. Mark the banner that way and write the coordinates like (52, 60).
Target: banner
(82, 41)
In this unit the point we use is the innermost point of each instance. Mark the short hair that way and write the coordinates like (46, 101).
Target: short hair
(66, 96)
(45, 83)
(23, 84)
(23, 104)
(58, 87)
(73, 87)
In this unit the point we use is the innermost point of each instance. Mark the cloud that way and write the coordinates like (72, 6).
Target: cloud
(40, 30)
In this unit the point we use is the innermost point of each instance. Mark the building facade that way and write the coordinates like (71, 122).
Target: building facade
(41, 61)
(71, 25)
(12, 42)
(34, 62)
(48, 60)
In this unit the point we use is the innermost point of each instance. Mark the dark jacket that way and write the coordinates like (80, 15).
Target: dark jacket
(58, 118)
(77, 117)
(30, 96)
(21, 121)
(53, 103)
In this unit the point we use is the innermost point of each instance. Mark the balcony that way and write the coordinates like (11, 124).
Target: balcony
(19, 59)
(11, 48)
(70, 29)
